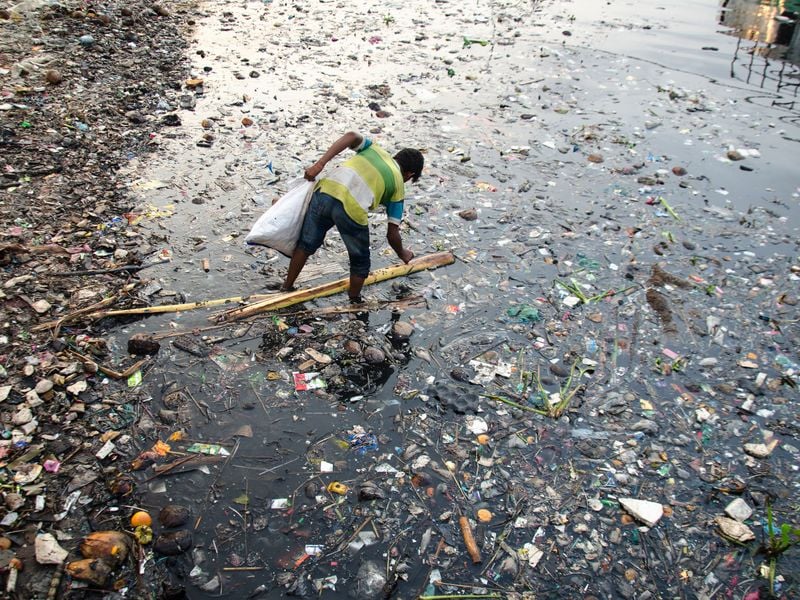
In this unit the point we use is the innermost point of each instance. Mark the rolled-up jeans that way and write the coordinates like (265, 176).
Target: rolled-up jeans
(325, 211)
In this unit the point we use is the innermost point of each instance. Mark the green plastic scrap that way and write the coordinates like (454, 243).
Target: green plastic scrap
(210, 449)
(525, 313)
(468, 42)
(584, 262)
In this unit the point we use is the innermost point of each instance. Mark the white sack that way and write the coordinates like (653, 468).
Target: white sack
(279, 227)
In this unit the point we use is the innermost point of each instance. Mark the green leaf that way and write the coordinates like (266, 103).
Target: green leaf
(244, 500)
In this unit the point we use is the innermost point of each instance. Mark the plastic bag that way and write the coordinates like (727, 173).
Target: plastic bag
(279, 227)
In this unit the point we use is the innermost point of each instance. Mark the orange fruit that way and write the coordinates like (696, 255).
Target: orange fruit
(484, 516)
(141, 518)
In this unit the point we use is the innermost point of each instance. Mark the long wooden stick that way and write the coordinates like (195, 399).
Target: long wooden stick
(422, 263)
(167, 308)
(469, 540)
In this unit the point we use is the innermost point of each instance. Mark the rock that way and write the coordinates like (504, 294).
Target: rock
(22, 416)
(461, 374)
(41, 306)
(735, 155)
(32, 399)
(53, 77)
(595, 158)
(143, 344)
(735, 530)
(645, 511)
(43, 386)
(352, 347)
(173, 543)
(370, 491)
(78, 387)
(470, 214)
(459, 399)
(402, 330)
(760, 450)
(739, 510)
(374, 355)
(645, 425)
(173, 515)
(135, 116)
(48, 551)
(14, 501)
(679, 171)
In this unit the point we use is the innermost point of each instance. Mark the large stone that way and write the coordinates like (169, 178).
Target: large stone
(402, 330)
(43, 386)
(739, 510)
(48, 551)
(734, 530)
(143, 344)
(645, 511)
(173, 543)
(760, 450)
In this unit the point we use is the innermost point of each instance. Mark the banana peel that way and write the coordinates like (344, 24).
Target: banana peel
(93, 570)
(111, 546)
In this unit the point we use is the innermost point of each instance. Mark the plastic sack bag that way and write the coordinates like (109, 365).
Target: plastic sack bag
(279, 227)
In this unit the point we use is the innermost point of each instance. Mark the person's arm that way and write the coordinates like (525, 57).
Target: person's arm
(351, 139)
(396, 242)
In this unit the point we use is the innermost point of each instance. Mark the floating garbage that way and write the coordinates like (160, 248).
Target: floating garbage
(603, 375)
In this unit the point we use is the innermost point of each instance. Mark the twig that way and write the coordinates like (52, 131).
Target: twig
(454, 596)
(110, 372)
(130, 268)
(204, 412)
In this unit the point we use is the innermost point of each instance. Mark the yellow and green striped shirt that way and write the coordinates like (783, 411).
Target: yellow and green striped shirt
(365, 181)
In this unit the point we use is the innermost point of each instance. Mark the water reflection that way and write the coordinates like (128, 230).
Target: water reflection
(769, 44)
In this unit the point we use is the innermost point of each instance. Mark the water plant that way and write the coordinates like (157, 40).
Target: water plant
(549, 404)
(779, 540)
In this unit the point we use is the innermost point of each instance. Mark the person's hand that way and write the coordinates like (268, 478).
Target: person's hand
(312, 171)
(406, 255)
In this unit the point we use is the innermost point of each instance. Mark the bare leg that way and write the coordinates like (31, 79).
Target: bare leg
(296, 264)
(356, 283)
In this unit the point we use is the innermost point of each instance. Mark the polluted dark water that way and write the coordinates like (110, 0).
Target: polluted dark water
(597, 399)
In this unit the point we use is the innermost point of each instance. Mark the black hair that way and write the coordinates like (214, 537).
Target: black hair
(410, 161)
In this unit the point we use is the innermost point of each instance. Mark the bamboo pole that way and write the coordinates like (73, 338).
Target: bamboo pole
(422, 263)
(167, 308)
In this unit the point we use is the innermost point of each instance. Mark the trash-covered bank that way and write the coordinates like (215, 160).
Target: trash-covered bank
(598, 399)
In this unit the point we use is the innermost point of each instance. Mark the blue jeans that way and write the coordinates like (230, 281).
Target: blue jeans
(325, 211)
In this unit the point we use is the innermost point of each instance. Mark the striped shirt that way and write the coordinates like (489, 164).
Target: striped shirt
(364, 182)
